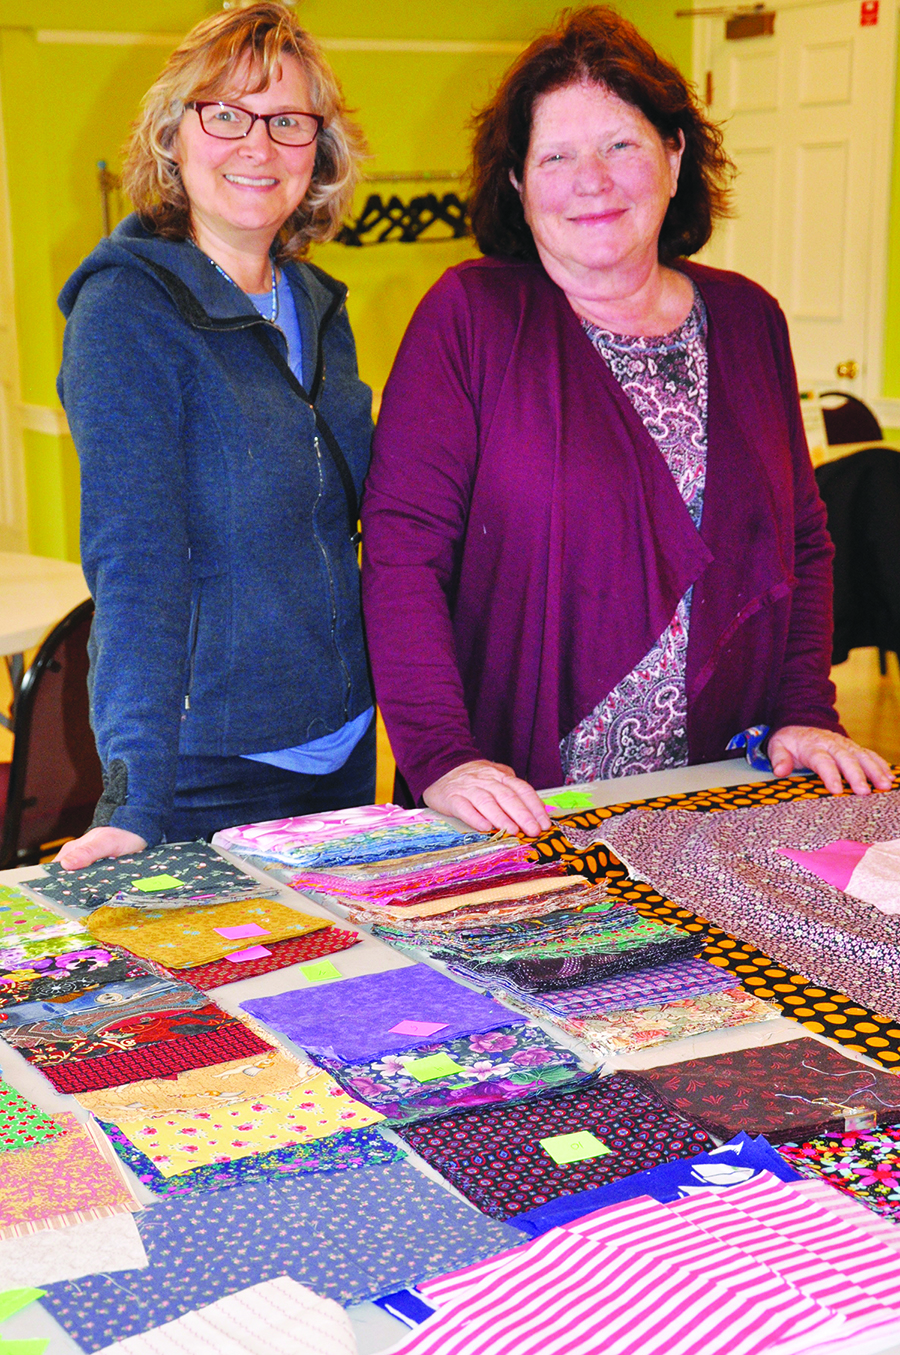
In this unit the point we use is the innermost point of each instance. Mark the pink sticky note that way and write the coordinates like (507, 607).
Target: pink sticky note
(238, 933)
(417, 1027)
(251, 953)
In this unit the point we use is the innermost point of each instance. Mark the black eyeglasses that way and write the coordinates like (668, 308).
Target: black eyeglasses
(230, 122)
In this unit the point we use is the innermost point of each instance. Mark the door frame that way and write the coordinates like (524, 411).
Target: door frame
(13, 510)
(878, 209)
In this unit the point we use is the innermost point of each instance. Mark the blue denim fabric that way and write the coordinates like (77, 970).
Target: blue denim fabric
(219, 792)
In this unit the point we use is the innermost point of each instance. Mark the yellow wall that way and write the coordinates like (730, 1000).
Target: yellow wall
(67, 106)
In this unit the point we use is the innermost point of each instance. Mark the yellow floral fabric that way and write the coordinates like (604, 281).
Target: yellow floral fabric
(184, 937)
(223, 1084)
(180, 1140)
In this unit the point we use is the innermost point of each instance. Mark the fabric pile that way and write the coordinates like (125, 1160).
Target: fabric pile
(413, 1044)
(345, 837)
(174, 875)
(865, 1163)
(758, 1267)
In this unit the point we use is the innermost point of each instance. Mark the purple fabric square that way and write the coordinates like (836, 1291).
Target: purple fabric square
(353, 1020)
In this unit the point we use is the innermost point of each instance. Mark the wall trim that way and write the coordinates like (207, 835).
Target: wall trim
(888, 411)
(94, 37)
(44, 419)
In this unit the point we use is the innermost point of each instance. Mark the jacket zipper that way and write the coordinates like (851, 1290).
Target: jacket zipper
(192, 658)
(326, 559)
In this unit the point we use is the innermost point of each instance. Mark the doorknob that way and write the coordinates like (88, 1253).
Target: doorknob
(848, 371)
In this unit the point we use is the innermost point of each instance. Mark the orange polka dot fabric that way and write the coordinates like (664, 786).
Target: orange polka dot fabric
(823, 1010)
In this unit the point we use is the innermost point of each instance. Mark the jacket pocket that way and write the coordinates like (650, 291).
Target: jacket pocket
(192, 647)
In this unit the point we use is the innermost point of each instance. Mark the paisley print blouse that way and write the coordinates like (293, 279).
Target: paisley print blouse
(641, 725)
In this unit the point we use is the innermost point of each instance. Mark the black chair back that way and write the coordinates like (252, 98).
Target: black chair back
(851, 420)
(55, 779)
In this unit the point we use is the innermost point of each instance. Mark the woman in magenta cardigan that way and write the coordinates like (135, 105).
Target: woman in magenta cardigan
(593, 543)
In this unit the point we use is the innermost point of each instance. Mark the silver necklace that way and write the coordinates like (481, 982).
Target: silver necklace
(274, 292)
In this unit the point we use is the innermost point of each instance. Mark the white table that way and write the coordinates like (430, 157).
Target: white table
(375, 1330)
(35, 593)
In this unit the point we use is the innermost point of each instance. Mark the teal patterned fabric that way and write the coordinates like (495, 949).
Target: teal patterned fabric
(362, 1234)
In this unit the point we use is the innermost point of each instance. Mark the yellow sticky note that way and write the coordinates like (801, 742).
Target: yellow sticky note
(151, 883)
(566, 1148)
(320, 971)
(432, 1066)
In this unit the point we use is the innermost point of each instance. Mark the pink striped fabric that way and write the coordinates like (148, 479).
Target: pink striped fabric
(757, 1268)
(874, 1267)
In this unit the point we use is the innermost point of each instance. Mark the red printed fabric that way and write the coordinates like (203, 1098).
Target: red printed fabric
(48, 1043)
(296, 950)
(231, 1040)
(494, 1157)
(784, 1091)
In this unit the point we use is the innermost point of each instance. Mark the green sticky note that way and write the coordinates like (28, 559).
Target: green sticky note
(150, 883)
(11, 1300)
(570, 799)
(566, 1148)
(320, 971)
(34, 1345)
(432, 1066)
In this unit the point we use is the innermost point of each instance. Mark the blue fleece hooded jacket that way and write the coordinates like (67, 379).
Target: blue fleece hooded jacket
(214, 523)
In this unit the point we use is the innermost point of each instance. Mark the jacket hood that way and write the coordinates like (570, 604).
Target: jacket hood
(204, 297)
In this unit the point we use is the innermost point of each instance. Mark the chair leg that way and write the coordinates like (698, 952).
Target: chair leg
(882, 662)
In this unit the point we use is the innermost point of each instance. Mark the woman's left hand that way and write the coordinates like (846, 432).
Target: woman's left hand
(832, 756)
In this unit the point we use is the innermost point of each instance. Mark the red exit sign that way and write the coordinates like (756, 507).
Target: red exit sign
(868, 13)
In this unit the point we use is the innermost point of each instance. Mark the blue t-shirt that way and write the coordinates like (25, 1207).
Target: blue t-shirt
(331, 751)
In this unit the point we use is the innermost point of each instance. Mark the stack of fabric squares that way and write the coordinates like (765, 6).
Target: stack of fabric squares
(372, 1231)
(508, 1159)
(174, 875)
(784, 1091)
(757, 1268)
(412, 1043)
(90, 1016)
(345, 837)
(65, 1207)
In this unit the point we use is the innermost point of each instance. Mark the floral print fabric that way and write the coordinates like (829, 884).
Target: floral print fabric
(177, 1140)
(192, 936)
(21, 916)
(780, 1090)
(495, 1157)
(641, 725)
(642, 1027)
(338, 1152)
(22, 1125)
(497, 1065)
(730, 869)
(863, 1163)
(62, 1174)
(376, 1230)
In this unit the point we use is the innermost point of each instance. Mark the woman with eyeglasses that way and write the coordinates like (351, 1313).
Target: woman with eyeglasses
(210, 382)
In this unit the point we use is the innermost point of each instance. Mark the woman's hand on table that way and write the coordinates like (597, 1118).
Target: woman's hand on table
(832, 756)
(97, 843)
(488, 795)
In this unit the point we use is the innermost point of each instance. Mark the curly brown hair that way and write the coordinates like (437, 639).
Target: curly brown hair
(205, 65)
(595, 45)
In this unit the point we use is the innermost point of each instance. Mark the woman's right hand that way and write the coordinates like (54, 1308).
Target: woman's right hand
(488, 795)
(97, 843)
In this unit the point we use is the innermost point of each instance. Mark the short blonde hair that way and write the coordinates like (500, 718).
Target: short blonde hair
(204, 65)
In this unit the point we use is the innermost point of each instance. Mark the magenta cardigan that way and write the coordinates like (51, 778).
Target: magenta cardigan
(525, 543)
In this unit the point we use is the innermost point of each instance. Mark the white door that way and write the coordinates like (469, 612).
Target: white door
(808, 115)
